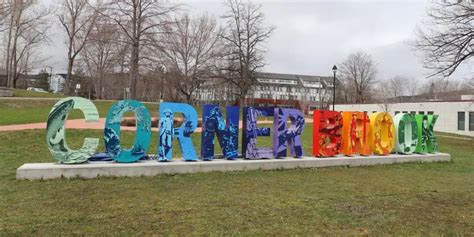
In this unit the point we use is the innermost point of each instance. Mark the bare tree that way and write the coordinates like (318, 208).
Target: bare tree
(469, 83)
(77, 18)
(396, 86)
(191, 48)
(358, 73)
(441, 88)
(101, 54)
(325, 98)
(5, 8)
(385, 105)
(25, 33)
(448, 38)
(140, 21)
(413, 87)
(244, 39)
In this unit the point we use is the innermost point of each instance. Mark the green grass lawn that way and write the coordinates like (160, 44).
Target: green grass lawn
(25, 93)
(411, 199)
(36, 111)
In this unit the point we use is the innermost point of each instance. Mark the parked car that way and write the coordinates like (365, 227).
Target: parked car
(36, 89)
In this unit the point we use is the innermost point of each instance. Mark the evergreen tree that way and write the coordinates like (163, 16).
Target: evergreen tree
(42, 80)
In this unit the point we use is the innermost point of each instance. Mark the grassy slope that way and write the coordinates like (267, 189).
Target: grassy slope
(394, 199)
(36, 111)
(25, 93)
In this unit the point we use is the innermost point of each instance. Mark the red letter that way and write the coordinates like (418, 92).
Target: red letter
(327, 130)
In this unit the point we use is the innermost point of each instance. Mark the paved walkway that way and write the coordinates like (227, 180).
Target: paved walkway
(460, 138)
(71, 123)
(82, 124)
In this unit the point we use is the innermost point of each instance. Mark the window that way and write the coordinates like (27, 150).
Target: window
(421, 112)
(471, 121)
(397, 112)
(461, 120)
(405, 112)
(374, 112)
(413, 112)
(430, 112)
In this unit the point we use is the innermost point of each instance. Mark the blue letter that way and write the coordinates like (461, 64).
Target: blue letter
(283, 135)
(167, 132)
(227, 133)
(251, 132)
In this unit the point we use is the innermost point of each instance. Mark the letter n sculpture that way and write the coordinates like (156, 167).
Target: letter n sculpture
(227, 133)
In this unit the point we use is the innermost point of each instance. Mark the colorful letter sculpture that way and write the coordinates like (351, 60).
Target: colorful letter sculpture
(251, 132)
(426, 141)
(168, 132)
(227, 131)
(350, 133)
(327, 131)
(291, 136)
(56, 134)
(382, 136)
(407, 133)
(112, 131)
(355, 133)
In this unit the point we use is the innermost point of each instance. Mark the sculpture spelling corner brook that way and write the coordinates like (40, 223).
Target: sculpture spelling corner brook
(349, 133)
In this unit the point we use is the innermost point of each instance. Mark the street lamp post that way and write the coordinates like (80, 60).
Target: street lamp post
(163, 71)
(78, 87)
(334, 69)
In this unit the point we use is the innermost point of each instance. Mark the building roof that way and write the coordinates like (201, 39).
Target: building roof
(299, 79)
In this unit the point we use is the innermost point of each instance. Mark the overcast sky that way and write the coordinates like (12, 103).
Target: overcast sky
(312, 36)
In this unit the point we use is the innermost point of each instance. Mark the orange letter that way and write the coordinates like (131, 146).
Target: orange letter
(355, 133)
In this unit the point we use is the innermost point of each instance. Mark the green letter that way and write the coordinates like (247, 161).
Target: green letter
(407, 133)
(56, 134)
(426, 138)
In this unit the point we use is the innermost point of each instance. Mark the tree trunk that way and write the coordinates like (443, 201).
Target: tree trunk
(67, 83)
(101, 78)
(7, 68)
(134, 74)
(13, 69)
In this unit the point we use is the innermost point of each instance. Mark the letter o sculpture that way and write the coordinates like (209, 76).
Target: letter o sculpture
(382, 135)
(407, 133)
(112, 131)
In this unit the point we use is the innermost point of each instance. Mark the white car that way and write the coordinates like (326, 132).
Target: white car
(36, 90)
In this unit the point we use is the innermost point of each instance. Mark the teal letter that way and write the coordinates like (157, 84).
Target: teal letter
(112, 131)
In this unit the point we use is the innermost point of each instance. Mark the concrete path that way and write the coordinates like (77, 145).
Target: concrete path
(70, 124)
(459, 138)
(82, 124)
